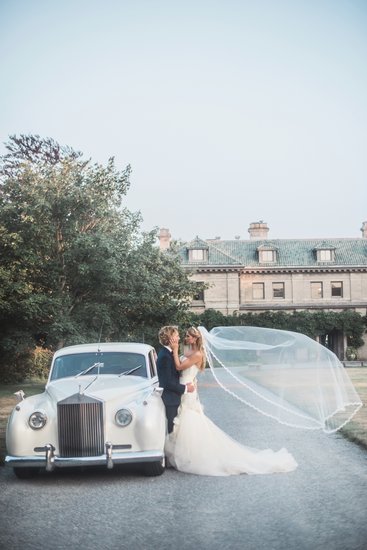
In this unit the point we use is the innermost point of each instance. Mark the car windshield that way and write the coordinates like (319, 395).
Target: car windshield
(117, 363)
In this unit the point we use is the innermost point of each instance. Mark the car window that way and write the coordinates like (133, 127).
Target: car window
(99, 363)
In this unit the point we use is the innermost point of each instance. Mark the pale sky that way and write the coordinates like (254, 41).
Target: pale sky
(229, 112)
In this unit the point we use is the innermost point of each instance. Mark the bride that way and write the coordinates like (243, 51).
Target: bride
(197, 445)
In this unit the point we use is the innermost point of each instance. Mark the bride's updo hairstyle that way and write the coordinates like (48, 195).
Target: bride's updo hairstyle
(195, 333)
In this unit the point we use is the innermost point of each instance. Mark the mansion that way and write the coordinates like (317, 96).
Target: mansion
(263, 274)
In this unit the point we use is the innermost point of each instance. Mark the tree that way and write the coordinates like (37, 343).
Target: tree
(73, 262)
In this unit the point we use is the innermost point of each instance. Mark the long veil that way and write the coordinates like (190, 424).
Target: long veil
(284, 375)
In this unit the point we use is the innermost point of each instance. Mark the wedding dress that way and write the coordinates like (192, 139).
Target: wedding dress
(198, 446)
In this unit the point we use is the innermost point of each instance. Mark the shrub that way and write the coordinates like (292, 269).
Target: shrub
(40, 363)
(25, 365)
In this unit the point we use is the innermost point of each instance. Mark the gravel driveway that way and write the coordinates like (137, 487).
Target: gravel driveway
(321, 505)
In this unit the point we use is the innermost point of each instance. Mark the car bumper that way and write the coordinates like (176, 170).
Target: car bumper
(50, 461)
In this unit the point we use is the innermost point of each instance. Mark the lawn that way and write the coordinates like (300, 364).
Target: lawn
(355, 430)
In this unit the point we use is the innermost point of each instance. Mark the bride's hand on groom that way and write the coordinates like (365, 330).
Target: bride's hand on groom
(190, 387)
(173, 343)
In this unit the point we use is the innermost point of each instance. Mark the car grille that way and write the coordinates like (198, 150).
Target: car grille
(80, 426)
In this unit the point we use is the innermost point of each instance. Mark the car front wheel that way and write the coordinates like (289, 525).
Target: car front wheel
(154, 468)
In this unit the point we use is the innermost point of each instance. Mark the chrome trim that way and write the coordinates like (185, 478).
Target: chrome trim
(54, 461)
(50, 458)
(109, 455)
(44, 418)
(131, 417)
(80, 425)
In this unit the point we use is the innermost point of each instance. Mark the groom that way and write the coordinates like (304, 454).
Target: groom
(168, 376)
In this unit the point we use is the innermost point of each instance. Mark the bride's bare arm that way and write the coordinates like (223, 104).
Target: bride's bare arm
(194, 359)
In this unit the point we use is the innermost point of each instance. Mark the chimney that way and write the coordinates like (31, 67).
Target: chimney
(364, 230)
(258, 230)
(164, 238)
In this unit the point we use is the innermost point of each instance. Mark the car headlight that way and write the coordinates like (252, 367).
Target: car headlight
(123, 417)
(37, 420)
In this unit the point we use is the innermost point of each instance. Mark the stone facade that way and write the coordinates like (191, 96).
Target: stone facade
(262, 274)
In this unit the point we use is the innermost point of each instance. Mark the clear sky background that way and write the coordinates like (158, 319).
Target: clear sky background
(229, 112)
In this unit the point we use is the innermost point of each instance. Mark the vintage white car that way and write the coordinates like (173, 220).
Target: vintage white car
(102, 405)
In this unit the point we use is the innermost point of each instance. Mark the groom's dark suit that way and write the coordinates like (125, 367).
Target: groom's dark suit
(169, 380)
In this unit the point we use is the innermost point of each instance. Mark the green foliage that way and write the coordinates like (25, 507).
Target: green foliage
(351, 354)
(27, 364)
(14, 368)
(40, 364)
(316, 324)
(74, 266)
(212, 318)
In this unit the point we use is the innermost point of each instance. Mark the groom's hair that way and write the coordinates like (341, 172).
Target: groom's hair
(166, 333)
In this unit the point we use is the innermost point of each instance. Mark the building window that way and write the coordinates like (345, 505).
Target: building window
(337, 289)
(198, 255)
(267, 256)
(199, 295)
(278, 290)
(316, 290)
(258, 291)
(326, 255)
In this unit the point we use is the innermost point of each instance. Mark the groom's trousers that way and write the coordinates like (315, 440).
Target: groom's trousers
(171, 413)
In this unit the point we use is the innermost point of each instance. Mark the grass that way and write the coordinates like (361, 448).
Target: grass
(355, 430)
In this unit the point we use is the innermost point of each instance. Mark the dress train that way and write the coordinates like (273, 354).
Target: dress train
(198, 446)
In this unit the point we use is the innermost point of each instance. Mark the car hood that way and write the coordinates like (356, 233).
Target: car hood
(103, 387)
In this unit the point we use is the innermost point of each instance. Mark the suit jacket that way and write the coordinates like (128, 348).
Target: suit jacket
(169, 378)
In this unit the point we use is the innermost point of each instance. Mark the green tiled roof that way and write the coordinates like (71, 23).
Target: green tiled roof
(197, 244)
(290, 252)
